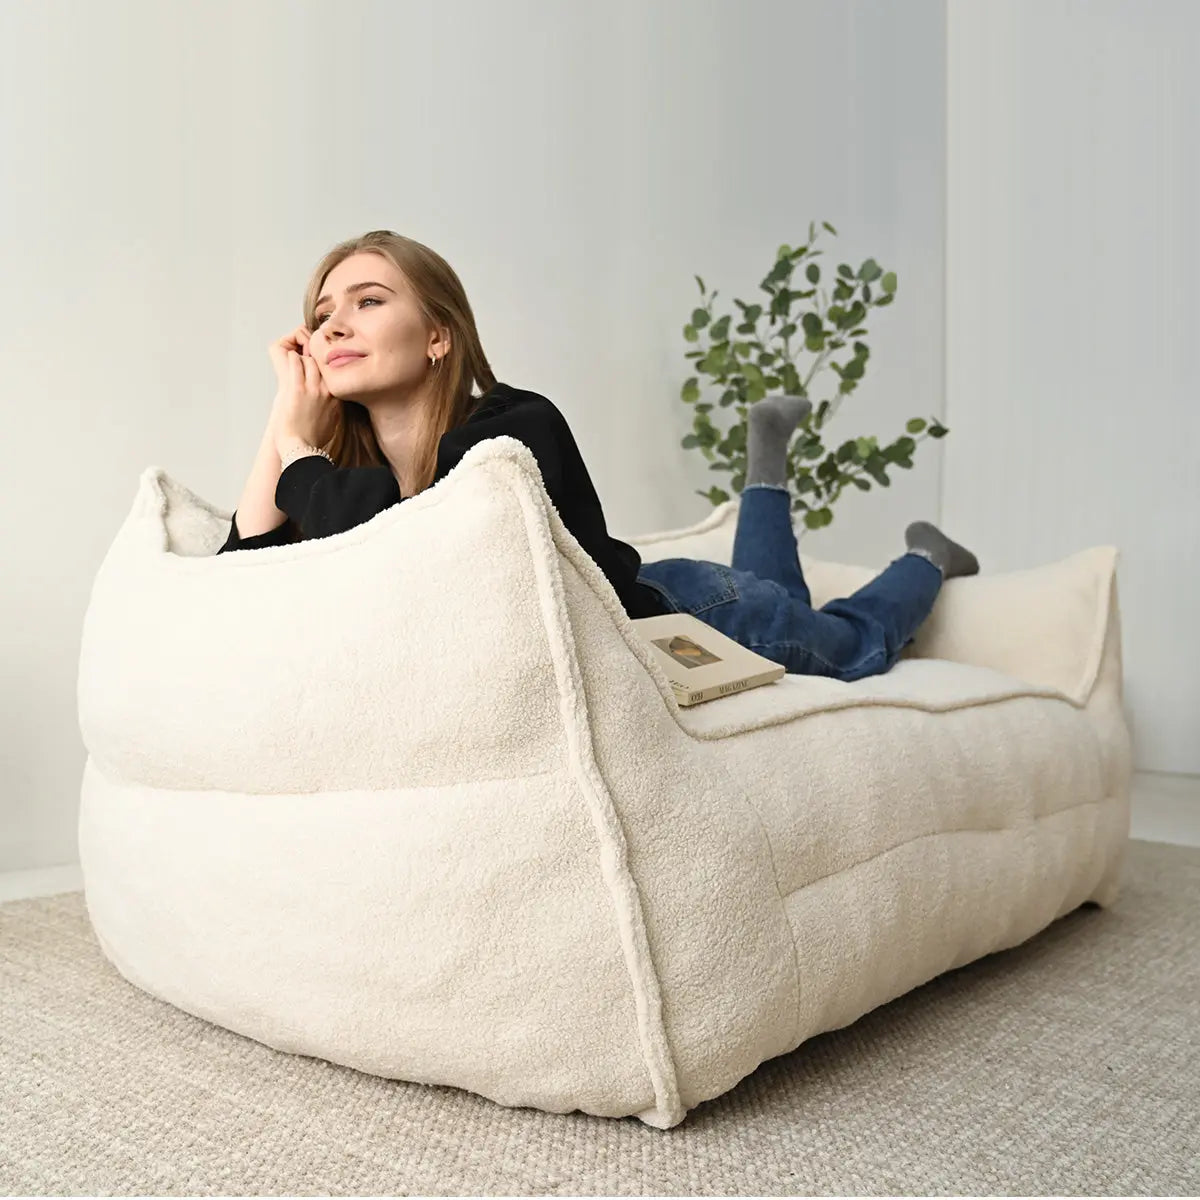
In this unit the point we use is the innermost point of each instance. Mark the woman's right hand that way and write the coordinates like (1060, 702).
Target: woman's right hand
(278, 351)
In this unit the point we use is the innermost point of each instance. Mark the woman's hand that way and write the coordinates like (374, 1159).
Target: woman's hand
(304, 409)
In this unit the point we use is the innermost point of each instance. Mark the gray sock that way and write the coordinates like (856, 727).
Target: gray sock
(928, 540)
(769, 426)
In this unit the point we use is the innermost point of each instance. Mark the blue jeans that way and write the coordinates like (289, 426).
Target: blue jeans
(763, 603)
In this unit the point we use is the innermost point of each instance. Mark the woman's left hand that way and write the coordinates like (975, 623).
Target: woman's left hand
(306, 410)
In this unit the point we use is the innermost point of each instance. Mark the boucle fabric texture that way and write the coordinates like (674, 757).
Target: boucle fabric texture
(416, 799)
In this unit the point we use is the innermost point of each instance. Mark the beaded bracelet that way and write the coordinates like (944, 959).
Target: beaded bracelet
(301, 452)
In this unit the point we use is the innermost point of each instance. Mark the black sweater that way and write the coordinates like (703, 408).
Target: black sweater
(321, 499)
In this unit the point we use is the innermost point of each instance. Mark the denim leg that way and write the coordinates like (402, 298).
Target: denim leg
(762, 601)
(764, 541)
(889, 609)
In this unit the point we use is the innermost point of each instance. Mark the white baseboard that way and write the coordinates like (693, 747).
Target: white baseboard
(46, 881)
(1165, 808)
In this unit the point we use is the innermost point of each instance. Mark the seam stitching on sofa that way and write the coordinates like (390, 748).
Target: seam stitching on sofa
(115, 778)
(623, 887)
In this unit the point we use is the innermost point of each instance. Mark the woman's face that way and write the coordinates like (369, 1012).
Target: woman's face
(381, 322)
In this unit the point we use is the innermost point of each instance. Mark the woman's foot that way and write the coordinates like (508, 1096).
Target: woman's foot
(930, 541)
(769, 426)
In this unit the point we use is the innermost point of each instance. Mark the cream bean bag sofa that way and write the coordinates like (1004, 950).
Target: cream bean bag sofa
(416, 798)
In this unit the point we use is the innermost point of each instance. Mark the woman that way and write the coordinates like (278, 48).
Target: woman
(375, 405)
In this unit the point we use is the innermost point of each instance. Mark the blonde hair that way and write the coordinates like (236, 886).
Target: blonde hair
(443, 302)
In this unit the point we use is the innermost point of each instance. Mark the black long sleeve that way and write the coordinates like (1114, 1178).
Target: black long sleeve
(321, 499)
(281, 535)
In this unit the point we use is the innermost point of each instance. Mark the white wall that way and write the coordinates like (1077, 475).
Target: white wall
(171, 172)
(1072, 256)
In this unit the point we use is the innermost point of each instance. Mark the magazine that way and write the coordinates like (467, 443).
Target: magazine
(701, 662)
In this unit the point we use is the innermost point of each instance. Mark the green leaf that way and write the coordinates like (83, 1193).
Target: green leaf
(690, 334)
(846, 270)
(869, 271)
(689, 441)
(915, 425)
(874, 467)
(815, 344)
(861, 484)
(830, 228)
(888, 282)
(938, 431)
(690, 392)
(812, 324)
(813, 273)
(778, 273)
(699, 318)
(700, 282)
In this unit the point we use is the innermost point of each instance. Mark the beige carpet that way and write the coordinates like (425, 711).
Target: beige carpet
(1069, 1065)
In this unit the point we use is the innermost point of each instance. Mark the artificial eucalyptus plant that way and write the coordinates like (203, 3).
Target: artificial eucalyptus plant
(749, 370)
